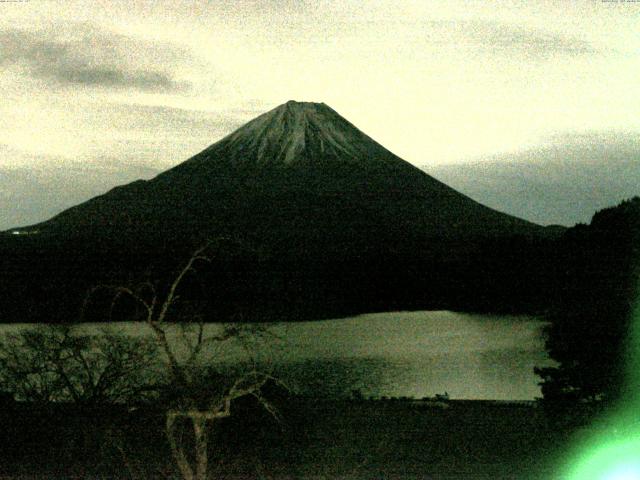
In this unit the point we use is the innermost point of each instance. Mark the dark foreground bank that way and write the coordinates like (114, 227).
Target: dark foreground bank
(314, 439)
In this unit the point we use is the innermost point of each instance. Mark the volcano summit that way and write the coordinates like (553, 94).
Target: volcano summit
(300, 166)
(341, 224)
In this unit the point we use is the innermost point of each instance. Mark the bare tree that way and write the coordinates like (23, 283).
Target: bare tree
(196, 394)
(58, 363)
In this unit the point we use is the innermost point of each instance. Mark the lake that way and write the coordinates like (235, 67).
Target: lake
(411, 354)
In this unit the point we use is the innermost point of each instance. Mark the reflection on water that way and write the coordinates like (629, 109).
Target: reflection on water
(412, 354)
(417, 354)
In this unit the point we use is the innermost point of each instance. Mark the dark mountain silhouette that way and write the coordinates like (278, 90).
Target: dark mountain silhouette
(299, 167)
(336, 224)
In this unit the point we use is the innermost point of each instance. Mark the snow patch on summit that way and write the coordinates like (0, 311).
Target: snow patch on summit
(300, 130)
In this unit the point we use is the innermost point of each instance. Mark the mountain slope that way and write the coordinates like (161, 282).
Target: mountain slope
(330, 223)
(300, 165)
(31, 194)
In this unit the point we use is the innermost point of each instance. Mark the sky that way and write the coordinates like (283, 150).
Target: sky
(125, 86)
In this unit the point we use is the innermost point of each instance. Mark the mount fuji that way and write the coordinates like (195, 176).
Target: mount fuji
(299, 167)
(336, 222)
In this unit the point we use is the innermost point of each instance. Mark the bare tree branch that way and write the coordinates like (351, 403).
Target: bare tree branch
(194, 401)
(177, 448)
(56, 363)
(171, 296)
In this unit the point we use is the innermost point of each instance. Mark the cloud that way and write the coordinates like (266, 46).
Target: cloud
(508, 39)
(176, 122)
(531, 41)
(93, 58)
(564, 182)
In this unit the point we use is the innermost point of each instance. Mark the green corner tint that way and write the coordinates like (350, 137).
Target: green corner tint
(605, 459)
(614, 452)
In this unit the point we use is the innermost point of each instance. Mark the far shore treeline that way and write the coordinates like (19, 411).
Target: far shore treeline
(46, 279)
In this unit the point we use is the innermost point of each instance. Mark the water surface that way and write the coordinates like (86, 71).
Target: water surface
(412, 354)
